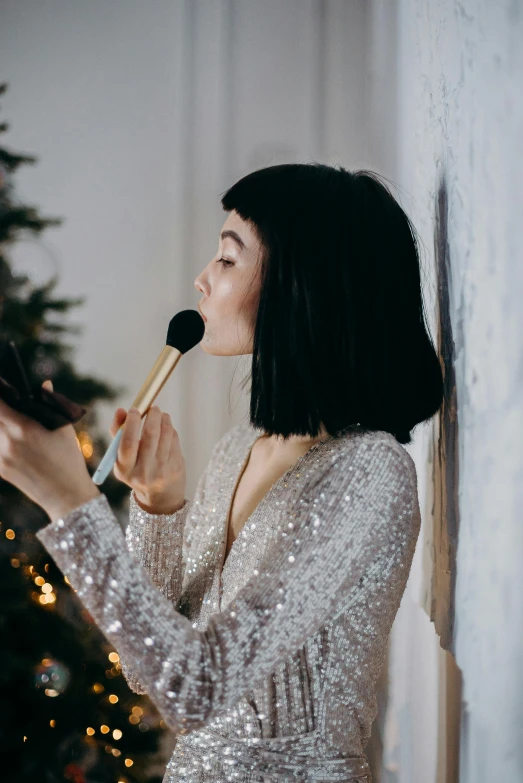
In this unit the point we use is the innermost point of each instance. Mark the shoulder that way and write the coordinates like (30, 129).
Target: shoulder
(382, 444)
(371, 472)
(370, 459)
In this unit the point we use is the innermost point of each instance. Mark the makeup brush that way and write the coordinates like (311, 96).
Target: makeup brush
(186, 330)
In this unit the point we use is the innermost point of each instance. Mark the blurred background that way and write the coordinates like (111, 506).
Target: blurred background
(137, 117)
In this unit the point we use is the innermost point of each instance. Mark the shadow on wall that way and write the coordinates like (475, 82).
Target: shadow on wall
(445, 519)
(445, 448)
(445, 480)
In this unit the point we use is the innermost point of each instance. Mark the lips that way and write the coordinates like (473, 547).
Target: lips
(202, 315)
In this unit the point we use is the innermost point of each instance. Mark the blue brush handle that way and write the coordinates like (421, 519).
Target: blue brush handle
(110, 457)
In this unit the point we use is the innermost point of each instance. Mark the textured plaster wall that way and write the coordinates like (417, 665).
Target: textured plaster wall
(460, 166)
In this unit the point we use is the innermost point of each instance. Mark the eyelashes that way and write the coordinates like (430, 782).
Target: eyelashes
(226, 263)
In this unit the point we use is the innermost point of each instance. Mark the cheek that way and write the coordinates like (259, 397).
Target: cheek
(228, 297)
(235, 301)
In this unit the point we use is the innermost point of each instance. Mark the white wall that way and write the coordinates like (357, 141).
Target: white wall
(460, 110)
(410, 752)
(92, 88)
(141, 115)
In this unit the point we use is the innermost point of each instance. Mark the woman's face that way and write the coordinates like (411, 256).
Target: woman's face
(231, 290)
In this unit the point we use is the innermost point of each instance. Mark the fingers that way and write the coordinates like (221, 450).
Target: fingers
(150, 434)
(166, 438)
(175, 446)
(119, 418)
(128, 448)
(137, 454)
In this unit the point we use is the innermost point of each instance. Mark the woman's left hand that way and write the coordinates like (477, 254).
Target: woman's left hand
(46, 465)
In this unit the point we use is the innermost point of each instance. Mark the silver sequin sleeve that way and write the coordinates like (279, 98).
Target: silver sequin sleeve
(156, 542)
(161, 543)
(352, 515)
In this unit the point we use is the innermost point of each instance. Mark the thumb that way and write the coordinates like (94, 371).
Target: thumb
(48, 385)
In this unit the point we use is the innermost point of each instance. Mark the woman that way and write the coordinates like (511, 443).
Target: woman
(256, 616)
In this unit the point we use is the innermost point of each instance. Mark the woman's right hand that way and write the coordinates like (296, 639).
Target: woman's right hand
(153, 465)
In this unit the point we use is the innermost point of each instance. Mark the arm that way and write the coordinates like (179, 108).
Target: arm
(161, 542)
(155, 540)
(353, 514)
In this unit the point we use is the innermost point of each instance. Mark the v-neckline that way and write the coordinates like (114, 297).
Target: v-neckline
(272, 489)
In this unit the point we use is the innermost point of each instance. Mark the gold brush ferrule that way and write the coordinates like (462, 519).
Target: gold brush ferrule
(154, 383)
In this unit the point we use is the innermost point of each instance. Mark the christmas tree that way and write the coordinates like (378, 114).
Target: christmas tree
(66, 712)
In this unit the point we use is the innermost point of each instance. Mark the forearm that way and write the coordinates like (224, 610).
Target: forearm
(144, 627)
(155, 540)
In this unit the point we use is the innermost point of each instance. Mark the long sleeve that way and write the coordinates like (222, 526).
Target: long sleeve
(156, 541)
(161, 543)
(356, 512)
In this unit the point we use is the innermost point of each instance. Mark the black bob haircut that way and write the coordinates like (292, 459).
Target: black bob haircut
(340, 335)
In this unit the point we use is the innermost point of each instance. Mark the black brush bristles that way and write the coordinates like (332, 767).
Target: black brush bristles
(186, 330)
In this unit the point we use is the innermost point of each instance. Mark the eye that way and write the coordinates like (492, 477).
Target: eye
(225, 262)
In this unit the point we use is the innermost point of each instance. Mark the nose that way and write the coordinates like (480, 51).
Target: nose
(202, 283)
(198, 283)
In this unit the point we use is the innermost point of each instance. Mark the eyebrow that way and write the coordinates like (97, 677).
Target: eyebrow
(233, 235)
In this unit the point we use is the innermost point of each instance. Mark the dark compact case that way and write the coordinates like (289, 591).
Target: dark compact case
(50, 408)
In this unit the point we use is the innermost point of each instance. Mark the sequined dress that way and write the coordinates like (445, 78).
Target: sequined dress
(266, 669)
